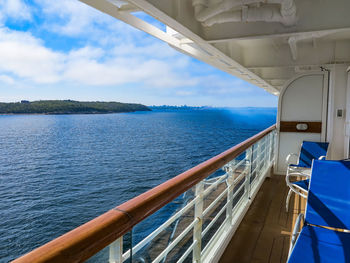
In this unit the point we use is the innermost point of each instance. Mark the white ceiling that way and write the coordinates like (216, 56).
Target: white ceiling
(259, 52)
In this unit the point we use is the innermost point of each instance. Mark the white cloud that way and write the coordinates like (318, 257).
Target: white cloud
(75, 19)
(27, 58)
(185, 93)
(15, 9)
(117, 70)
(100, 51)
(112, 54)
(6, 79)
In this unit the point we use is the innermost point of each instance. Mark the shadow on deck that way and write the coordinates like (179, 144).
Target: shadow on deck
(264, 233)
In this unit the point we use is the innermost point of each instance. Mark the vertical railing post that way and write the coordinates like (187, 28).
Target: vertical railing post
(271, 137)
(258, 160)
(271, 157)
(274, 137)
(266, 152)
(249, 156)
(230, 179)
(197, 230)
(116, 251)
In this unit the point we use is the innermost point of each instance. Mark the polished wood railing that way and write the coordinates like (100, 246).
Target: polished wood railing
(88, 239)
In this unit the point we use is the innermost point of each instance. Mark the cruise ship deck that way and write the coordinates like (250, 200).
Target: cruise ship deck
(265, 232)
(297, 50)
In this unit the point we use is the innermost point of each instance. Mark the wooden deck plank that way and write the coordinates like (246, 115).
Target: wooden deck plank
(264, 234)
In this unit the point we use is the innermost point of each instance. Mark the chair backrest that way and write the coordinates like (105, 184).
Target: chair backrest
(310, 151)
(328, 202)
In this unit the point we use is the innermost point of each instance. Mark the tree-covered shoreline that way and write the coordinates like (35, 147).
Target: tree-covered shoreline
(69, 107)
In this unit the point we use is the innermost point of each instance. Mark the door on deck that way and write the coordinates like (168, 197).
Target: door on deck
(302, 115)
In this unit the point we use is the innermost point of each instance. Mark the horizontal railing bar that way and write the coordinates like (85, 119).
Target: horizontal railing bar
(167, 223)
(187, 252)
(212, 204)
(238, 204)
(177, 240)
(215, 234)
(256, 159)
(237, 191)
(88, 239)
(238, 164)
(258, 179)
(216, 179)
(214, 220)
(240, 177)
(262, 171)
(211, 187)
(255, 169)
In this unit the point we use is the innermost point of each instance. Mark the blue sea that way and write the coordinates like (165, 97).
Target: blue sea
(60, 171)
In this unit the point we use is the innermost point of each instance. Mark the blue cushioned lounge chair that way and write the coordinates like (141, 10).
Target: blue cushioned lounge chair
(308, 152)
(328, 205)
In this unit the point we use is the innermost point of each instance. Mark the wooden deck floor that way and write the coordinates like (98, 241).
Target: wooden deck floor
(264, 234)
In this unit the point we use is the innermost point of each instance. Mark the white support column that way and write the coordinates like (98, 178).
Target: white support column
(197, 230)
(338, 104)
(116, 251)
(347, 119)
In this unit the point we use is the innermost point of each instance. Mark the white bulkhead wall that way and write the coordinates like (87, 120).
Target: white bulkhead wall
(335, 106)
(338, 103)
(302, 100)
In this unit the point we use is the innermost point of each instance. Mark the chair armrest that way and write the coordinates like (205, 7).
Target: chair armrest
(322, 157)
(296, 189)
(295, 233)
(288, 161)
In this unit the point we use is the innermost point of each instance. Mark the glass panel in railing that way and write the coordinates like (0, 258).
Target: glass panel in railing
(222, 195)
(101, 257)
(262, 156)
(104, 255)
(214, 201)
(166, 235)
(254, 161)
(240, 190)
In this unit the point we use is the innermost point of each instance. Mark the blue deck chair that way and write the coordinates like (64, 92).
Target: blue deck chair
(308, 152)
(328, 205)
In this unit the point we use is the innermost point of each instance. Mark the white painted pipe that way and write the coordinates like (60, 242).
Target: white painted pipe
(221, 13)
(293, 47)
(222, 7)
(288, 12)
(199, 7)
(118, 3)
(293, 40)
(265, 14)
(235, 16)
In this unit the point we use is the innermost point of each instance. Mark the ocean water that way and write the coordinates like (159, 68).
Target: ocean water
(60, 171)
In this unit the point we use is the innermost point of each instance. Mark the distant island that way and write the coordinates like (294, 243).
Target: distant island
(178, 108)
(68, 107)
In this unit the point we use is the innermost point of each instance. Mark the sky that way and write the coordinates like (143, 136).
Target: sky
(67, 50)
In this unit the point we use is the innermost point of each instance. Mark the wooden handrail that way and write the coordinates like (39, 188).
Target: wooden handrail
(88, 239)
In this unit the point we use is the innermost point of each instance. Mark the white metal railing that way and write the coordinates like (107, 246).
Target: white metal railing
(218, 206)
